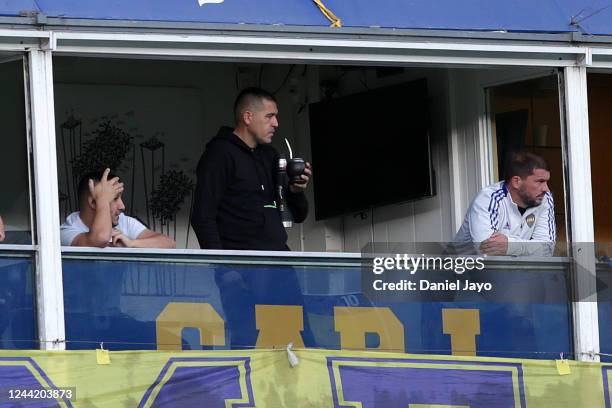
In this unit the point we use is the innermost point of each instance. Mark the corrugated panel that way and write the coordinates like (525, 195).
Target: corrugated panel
(515, 15)
(593, 16)
(293, 12)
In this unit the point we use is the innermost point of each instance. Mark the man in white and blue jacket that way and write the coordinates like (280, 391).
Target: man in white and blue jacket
(515, 216)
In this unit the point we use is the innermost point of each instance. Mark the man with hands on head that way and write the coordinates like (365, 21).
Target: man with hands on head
(101, 222)
(515, 216)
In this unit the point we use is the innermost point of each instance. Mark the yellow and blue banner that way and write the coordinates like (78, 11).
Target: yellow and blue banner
(322, 378)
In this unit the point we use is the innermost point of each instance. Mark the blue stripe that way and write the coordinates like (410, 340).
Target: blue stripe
(492, 202)
(493, 209)
(495, 215)
(505, 189)
(551, 217)
(493, 196)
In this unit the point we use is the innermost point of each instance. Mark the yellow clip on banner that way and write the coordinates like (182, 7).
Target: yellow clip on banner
(323, 378)
(102, 356)
(335, 21)
(563, 367)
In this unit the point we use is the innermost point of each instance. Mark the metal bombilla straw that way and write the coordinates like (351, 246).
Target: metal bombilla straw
(281, 182)
(289, 147)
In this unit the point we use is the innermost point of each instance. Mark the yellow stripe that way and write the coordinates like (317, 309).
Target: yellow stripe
(335, 21)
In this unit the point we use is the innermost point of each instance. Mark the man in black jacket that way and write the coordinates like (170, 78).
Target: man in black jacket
(235, 199)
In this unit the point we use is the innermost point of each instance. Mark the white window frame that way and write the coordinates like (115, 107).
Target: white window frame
(285, 47)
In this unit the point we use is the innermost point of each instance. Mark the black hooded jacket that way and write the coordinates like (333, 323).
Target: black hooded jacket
(235, 197)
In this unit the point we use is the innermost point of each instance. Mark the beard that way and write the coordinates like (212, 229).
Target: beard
(527, 199)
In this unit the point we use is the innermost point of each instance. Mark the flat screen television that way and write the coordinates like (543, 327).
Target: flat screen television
(371, 149)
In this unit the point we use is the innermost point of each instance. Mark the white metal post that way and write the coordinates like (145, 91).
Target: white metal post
(49, 290)
(454, 154)
(578, 183)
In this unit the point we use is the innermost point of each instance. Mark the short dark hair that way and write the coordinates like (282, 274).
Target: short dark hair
(83, 187)
(523, 164)
(249, 97)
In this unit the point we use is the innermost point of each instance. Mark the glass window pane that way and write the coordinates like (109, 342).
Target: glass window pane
(525, 117)
(17, 304)
(244, 303)
(604, 304)
(15, 198)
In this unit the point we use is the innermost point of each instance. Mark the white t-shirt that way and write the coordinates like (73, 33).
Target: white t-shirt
(531, 233)
(74, 226)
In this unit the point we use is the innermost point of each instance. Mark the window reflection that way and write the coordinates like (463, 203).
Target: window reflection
(15, 197)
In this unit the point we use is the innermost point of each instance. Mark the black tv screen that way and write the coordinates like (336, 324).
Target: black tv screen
(371, 149)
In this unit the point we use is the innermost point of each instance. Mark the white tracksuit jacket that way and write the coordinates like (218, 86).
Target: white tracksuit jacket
(532, 233)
